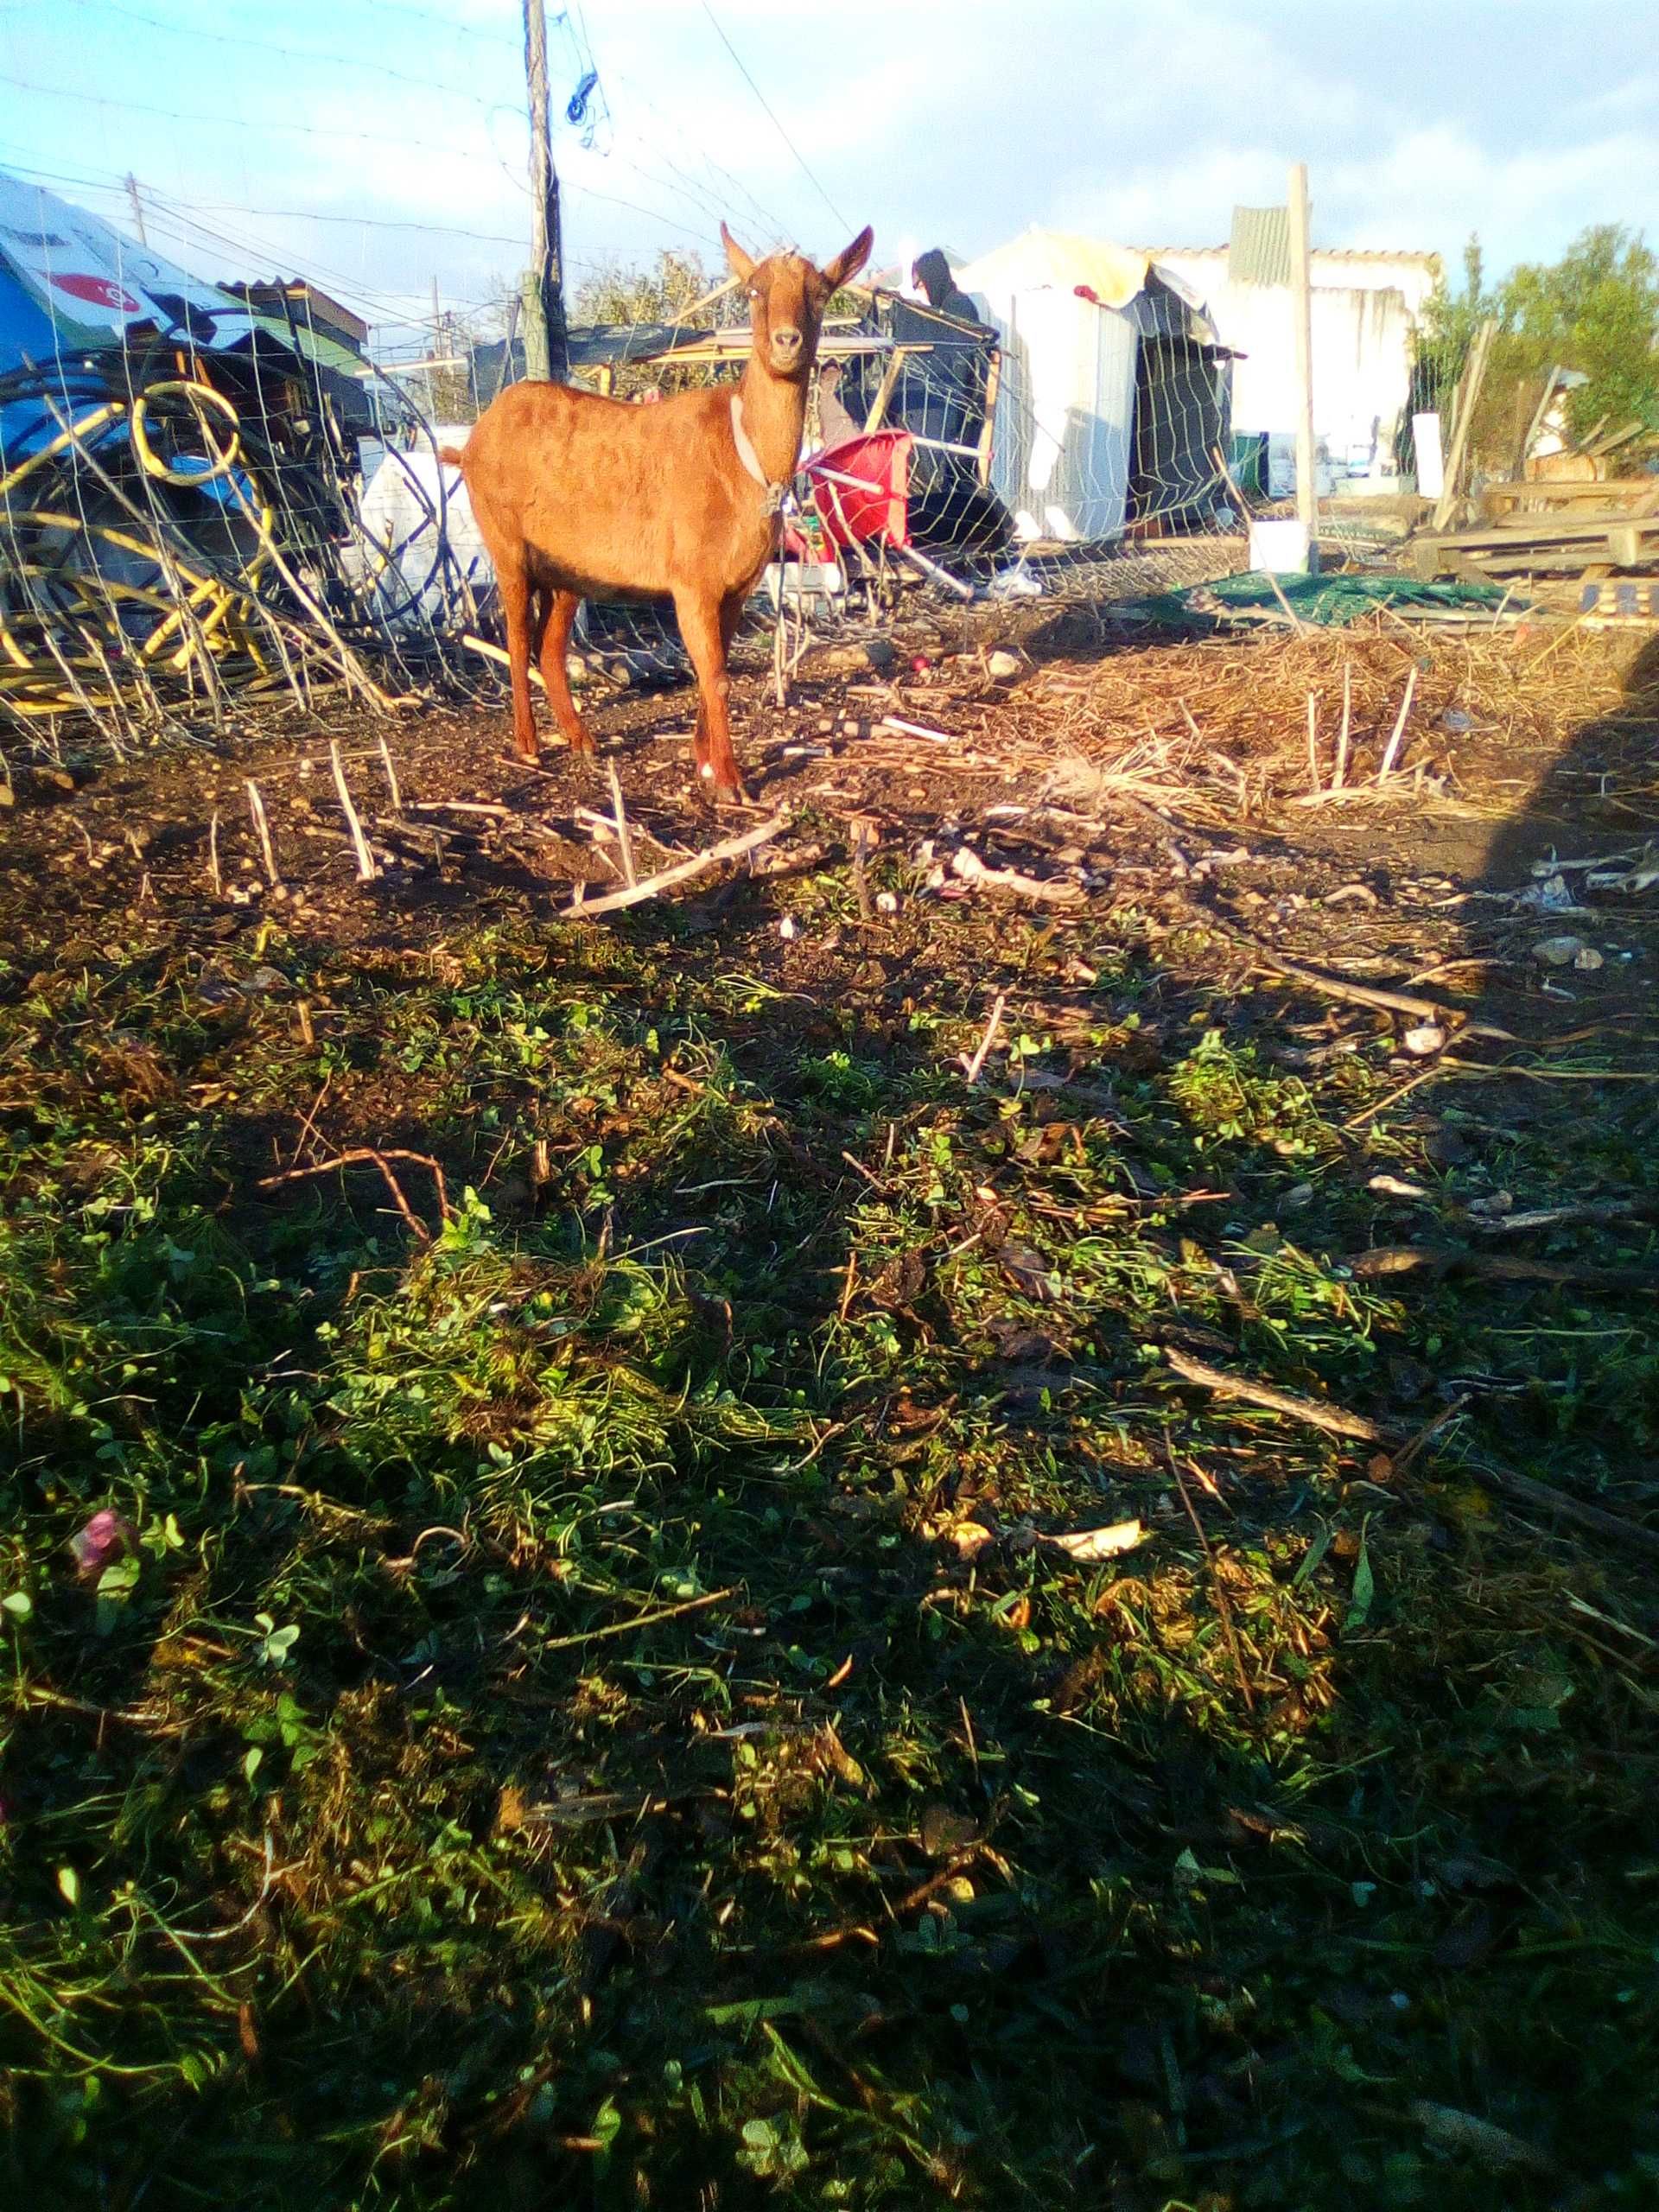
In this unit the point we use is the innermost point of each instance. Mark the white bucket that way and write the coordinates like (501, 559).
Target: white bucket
(1279, 547)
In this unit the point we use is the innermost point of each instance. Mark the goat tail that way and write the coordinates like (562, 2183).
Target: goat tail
(454, 454)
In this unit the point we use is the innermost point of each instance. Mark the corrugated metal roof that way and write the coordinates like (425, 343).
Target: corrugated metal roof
(1259, 252)
(1320, 253)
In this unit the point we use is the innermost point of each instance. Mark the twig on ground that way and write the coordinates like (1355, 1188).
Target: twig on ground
(625, 842)
(1442, 1260)
(731, 849)
(976, 1065)
(214, 875)
(1341, 775)
(1313, 742)
(262, 830)
(1390, 754)
(366, 1155)
(1335, 1421)
(1362, 994)
(392, 778)
(1224, 1612)
(640, 1620)
(366, 870)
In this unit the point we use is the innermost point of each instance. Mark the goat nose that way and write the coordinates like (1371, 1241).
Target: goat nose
(787, 340)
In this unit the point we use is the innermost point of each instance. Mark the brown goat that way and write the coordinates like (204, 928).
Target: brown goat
(578, 497)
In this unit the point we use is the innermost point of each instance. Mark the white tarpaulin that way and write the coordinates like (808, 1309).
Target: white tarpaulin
(1065, 439)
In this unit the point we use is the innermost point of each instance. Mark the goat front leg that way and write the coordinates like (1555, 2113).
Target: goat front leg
(556, 642)
(519, 616)
(704, 627)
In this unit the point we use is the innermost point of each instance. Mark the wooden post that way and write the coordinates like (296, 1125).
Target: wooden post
(1301, 312)
(1468, 398)
(547, 351)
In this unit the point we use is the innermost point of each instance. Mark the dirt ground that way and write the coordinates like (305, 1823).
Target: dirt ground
(963, 1514)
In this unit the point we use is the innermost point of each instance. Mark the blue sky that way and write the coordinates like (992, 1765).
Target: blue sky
(376, 144)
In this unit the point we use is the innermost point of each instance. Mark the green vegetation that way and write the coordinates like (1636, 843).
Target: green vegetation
(576, 1706)
(1595, 311)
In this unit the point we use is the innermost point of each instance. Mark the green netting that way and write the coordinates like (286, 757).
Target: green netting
(1328, 602)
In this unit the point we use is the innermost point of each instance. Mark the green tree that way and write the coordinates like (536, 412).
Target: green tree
(1596, 310)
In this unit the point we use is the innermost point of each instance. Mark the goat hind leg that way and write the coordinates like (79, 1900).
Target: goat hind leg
(703, 625)
(523, 618)
(556, 640)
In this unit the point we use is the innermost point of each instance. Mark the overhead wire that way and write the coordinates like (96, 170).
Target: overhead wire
(805, 166)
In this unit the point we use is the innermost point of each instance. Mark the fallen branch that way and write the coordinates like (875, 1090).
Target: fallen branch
(731, 849)
(366, 870)
(366, 1155)
(967, 864)
(1385, 1001)
(917, 729)
(1391, 750)
(1590, 1210)
(1335, 1421)
(625, 842)
(976, 1065)
(1440, 1260)
(262, 826)
(640, 1620)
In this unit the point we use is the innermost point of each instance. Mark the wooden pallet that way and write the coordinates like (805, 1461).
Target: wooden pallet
(1532, 545)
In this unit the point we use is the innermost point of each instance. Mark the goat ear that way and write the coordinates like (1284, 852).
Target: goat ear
(849, 262)
(741, 264)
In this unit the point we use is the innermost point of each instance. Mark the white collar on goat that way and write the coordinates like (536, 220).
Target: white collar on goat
(751, 461)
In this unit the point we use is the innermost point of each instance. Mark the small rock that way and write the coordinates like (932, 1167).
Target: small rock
(1587, 957)
(1558, 951)
(789, 927)
(1298, 1196)
(886, 902)
(1429, 1037)
(1355, 894)
(1003, 665)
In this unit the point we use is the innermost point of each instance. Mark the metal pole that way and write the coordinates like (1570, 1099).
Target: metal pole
(137, 208)
(546, 347)
(1301, 312)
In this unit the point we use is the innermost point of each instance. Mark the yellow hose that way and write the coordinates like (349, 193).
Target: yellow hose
(151, 463)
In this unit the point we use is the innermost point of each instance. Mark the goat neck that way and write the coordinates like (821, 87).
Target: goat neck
(774, 416)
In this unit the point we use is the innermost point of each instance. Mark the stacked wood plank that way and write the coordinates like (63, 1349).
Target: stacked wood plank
(1550, 528)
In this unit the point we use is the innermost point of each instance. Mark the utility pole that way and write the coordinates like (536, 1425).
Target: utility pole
(1301, 314)
(547, 352)
(137, 208)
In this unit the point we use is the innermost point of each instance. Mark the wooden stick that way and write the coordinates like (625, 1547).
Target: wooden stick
(366, 870)
(1362, 994)
(640, 1620)
(1313, 740)
(916, 729)
(1539, 1497)
(1334, 1421)
(625, 842)
(391, 776)
(363, 1155)
(1392, 749)
(975, 1066)
(214, 875)
(1340, 776)
(261, 827)
(1218, 1587)
(1440, 1260)
(733, 848)
(1291, 615)
(861, 877)
(462, 806)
